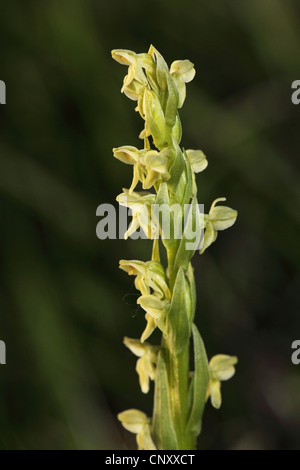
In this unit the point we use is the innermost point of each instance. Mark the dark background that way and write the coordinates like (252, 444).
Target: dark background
(64, 304)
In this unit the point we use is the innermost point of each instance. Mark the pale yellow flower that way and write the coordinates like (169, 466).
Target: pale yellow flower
(138, 423)
(183, 72)
(221, 368)
(141, 69)
(156, 167)
(198, 163)
(140, 205)
(149, 275)
(131, 156)
(136, 63)
(133, 90)
(219, 218)
(197, 160)
(156, 310)
(149, 166)
(127, 154)
(146, 363)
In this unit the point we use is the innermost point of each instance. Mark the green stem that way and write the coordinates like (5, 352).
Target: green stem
(178, 376)
(171, 253)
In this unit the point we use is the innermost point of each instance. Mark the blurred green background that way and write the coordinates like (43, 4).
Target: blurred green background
(64, 304)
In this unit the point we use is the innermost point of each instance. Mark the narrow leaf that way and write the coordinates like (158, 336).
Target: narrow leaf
(189, 180)
(178, 318)
(172, 102)
(199, 384)
(176, 169)
(191, 236)
(163, 429)
(164, 215)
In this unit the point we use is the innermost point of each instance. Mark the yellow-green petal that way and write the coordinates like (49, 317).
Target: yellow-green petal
(197, 160)
(185, 68)
(144, 377)
(150, 327)
(144, 439)
(209, 237)
(222, 217)
(215, 393)
(152, 305)
(157, 161)
(222, 366)
(123, 56)
(133, 420)
(127, 154)
(135, 346)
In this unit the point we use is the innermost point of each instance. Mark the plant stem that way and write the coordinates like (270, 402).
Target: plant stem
(177, 366)
(178, 378)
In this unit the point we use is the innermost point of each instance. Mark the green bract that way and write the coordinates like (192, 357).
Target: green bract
(168, 294)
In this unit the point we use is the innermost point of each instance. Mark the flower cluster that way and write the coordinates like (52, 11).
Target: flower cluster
(166, 173)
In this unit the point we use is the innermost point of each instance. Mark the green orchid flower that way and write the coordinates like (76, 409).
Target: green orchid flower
(140, 205)
(150, 275)
(156, 310)
(219, 218)
(221, 368)
(183, 72)
(146, 363)
(138, 423)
